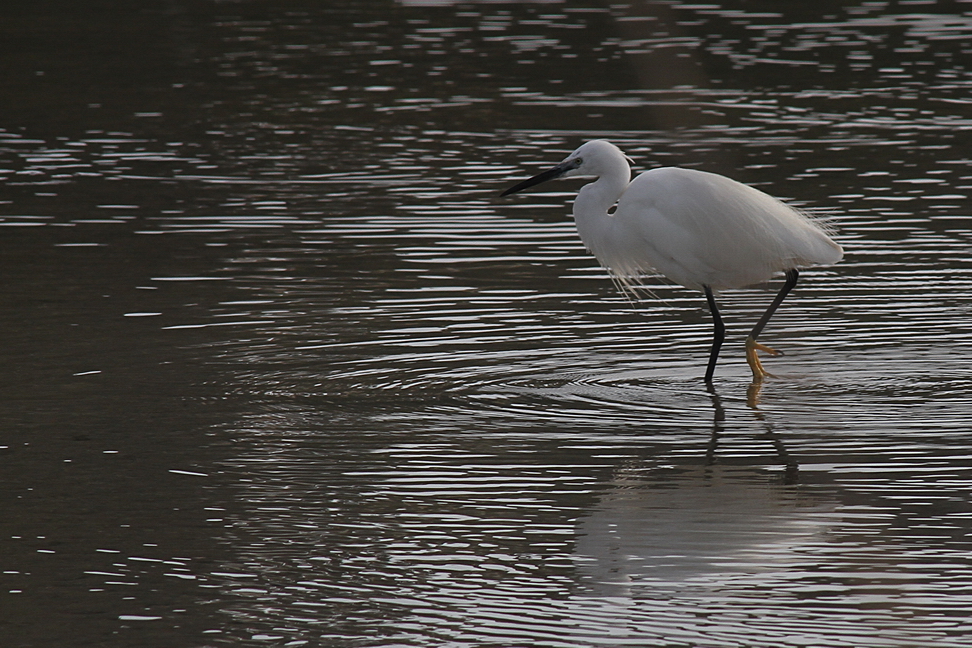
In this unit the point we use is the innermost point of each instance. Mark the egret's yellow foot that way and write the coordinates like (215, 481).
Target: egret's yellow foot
(752, 346)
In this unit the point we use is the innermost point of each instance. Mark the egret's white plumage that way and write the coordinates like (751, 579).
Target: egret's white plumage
(701, 230)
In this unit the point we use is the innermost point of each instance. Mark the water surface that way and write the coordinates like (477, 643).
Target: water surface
(282, 369)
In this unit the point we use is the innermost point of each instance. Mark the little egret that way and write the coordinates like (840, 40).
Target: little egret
(699, 229)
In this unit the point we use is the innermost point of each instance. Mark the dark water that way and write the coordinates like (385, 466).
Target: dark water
(280, 369)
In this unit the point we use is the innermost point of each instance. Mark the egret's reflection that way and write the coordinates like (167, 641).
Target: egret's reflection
(664, 524)
(791, 468)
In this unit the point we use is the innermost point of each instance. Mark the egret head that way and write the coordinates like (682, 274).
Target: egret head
(592, 159)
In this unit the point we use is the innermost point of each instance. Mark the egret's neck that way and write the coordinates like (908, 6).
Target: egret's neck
(591, 207)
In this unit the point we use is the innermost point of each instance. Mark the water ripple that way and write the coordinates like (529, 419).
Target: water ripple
(439, 423)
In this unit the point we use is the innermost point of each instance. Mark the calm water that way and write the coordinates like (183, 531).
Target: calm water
(281, 369)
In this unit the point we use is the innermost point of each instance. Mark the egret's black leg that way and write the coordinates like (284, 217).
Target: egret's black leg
(718, 334)
(791, 280)
(751, 344)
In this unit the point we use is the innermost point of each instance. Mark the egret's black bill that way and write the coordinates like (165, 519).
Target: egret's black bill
(550, 174)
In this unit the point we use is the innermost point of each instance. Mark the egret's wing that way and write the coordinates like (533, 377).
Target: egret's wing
(699, 229)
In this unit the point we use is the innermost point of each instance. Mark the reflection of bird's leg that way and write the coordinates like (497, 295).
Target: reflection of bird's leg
(752, 346)
(791, 467)
(718, 420)
(718, 334)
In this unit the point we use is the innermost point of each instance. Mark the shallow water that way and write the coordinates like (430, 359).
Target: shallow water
(282, 369)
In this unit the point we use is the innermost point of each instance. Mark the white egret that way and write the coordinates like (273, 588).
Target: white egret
(699, 229)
